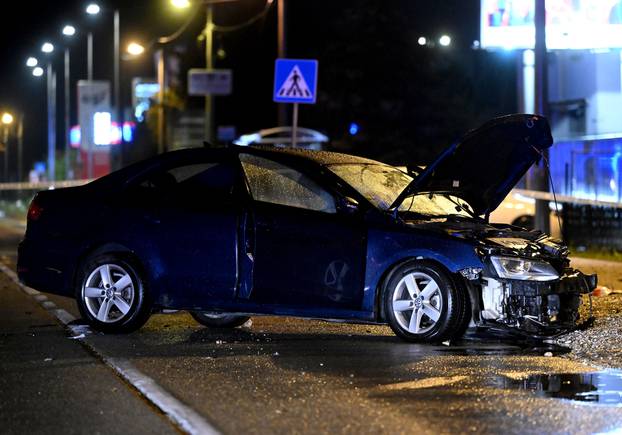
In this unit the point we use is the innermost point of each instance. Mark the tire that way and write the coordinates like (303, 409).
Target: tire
(218, 320)
(111, 294)
(426, 291)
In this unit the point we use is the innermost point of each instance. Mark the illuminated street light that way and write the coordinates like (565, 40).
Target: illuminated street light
(422, 40)
(69, 30)
(37, 72)
(93, 9)
(47, 47)
(32, 62)
(444, 40)
(135, 49)
(7, 118)
(180, 4)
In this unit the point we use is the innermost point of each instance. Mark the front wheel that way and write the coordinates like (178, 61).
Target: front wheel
(112, 296)
(218, 320)
(422, 304)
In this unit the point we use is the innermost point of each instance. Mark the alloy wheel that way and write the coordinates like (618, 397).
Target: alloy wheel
(108, 293)
(417, 302)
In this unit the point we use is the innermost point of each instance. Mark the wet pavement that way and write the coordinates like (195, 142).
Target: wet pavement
(285, 375)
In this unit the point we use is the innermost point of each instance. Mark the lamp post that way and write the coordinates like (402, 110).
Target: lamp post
(7, 120)
(48, 48)
(68, 31)
(94, 9)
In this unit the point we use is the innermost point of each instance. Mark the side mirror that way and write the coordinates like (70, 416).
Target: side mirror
(348, 205)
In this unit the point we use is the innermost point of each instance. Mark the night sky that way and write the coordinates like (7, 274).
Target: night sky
(410, 101)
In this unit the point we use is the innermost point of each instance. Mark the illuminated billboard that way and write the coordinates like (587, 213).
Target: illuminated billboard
(570, 24)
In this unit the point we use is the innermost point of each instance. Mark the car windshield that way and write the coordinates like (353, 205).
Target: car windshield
(382, 184)
(437, 205)
(379, 184)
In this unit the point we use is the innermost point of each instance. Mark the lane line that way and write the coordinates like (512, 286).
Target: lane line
(180, 414)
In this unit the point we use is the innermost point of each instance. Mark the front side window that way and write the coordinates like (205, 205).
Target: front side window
(275, 183)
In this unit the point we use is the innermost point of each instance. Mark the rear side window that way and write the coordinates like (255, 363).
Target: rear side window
(275, 183)
(204, 180)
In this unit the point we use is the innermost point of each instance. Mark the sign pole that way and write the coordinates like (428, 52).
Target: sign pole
(295, 125)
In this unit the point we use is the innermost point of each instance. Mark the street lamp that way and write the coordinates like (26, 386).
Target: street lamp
(69, 30)
(135, 49)
(180, 4)
(93, 9)
(47, 48)
(37, 72)
(444, 40)
(7, 118)
(422, 40)
(32, 62)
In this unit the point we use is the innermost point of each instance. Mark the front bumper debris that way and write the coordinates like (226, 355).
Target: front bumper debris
(536, 308)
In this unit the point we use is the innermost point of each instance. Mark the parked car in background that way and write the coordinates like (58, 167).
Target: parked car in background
(282, 137)
(241, 231)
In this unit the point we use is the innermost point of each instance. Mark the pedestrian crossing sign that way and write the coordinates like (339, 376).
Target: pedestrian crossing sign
(295, 81)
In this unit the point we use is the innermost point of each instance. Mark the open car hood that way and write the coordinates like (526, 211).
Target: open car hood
(487, 163)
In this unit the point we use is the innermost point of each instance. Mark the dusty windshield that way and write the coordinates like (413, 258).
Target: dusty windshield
(436, 204)
(382, 184)
(379, 184)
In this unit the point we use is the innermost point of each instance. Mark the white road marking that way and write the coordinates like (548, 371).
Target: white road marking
(181, 415)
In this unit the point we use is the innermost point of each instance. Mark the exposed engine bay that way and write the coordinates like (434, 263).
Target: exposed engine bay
(526, 284)
(532, 289)
(542, 308)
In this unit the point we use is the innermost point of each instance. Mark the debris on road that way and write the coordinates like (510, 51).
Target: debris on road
(601, 290)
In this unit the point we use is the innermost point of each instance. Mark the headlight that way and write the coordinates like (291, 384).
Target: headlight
(520, 268)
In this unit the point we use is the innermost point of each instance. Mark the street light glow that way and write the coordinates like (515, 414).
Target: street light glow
(422, 40)
(7, 118)
(181, 4)
(31, 62)
(47, 47)
(135, 49)
(37, 72)
(69, 30)
(444, 40)
(93, 9)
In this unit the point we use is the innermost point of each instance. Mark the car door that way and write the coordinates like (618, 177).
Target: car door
(306, 253)
(193, 211)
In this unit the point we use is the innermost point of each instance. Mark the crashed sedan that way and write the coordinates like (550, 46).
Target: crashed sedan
(239, 231)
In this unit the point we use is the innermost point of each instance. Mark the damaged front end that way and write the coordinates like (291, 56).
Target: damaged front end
(531, 293)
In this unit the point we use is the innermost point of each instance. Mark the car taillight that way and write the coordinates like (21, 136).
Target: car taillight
(34, 211)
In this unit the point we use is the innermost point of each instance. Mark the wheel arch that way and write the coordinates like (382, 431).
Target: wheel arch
(111, 248)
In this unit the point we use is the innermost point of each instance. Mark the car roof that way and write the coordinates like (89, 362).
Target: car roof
(323, 158)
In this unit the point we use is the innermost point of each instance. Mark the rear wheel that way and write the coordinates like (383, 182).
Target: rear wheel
(218, 320)
(112, 296)
(422, 304)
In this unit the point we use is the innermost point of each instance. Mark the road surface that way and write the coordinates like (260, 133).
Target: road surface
(280, 375)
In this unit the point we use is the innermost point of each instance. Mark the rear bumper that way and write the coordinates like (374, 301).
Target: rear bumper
(43, 269)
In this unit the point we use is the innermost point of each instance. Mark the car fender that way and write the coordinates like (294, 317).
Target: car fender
(388, 250)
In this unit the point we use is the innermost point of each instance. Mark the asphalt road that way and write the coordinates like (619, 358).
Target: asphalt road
(283, 375)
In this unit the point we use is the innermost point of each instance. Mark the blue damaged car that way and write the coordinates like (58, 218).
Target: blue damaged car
(234, 232)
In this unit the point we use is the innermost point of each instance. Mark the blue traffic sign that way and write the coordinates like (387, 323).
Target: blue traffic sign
(295, 81)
